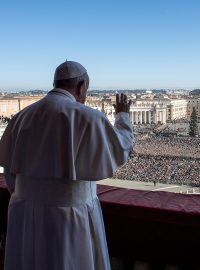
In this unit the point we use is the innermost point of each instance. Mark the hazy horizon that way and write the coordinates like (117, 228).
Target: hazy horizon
(109, 89)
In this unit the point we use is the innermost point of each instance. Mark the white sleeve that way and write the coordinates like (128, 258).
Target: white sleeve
(104, 148)
(124, 129)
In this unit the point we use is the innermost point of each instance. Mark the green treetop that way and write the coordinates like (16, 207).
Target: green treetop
(193, 123)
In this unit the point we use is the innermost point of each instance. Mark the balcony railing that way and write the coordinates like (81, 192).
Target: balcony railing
(158, 228)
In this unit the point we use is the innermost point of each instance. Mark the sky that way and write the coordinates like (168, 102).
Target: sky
(124, 44)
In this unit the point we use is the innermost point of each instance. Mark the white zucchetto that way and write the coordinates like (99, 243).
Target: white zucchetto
(69, 70)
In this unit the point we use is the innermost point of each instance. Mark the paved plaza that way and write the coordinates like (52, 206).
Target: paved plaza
(149, 186)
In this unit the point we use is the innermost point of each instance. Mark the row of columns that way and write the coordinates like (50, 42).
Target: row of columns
(144, 117)
(139, 117)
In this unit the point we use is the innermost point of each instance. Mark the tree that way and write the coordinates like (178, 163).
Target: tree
(193, 123)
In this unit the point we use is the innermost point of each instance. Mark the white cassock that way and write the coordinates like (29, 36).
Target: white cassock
(53, 151)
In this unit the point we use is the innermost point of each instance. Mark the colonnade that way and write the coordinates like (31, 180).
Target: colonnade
(144, 117)
(137, 115)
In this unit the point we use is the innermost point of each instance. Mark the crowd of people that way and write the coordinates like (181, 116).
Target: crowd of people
(169, 146)
(4, 119)
(164, 160)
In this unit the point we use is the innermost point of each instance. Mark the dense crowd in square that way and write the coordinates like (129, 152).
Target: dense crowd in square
(169, 160)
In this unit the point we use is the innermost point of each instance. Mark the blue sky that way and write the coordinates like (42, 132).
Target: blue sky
(124, 44)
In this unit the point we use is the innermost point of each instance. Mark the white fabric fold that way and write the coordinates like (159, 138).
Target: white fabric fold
(55, 222)
(76, 142)
(64, 231)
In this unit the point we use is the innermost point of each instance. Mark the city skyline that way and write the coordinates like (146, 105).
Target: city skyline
(135, 45)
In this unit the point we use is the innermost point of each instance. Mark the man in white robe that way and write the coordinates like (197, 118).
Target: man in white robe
(53, 151)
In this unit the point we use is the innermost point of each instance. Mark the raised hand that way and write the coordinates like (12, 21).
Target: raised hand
(122, 104)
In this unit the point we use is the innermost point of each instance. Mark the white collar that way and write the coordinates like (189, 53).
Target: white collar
(65, 92)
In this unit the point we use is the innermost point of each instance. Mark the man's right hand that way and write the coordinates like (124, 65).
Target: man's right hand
(122, 104)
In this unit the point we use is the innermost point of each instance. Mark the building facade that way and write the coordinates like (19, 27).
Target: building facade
(142, 110)
(11, 106)
(147, 111)
(193, 102)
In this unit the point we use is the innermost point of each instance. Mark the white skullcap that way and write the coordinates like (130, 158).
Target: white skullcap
(69, 70)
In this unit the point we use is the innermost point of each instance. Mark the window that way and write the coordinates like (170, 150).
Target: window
(3, 108)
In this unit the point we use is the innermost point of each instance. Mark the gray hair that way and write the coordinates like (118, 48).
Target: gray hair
(72, 83)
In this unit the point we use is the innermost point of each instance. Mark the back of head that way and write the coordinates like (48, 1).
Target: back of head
(73, 77)
(69, 70)
(68, 74)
